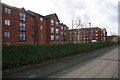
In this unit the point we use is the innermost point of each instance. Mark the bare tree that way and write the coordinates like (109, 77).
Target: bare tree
(80, 22)
(76, 22)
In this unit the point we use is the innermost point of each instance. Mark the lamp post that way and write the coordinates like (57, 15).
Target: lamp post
(90, 31)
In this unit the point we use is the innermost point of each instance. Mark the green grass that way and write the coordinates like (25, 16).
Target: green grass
(20, 55)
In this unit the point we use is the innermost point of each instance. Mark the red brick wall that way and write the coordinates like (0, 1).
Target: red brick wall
(40, 34)
(14, 27)
(48, 32)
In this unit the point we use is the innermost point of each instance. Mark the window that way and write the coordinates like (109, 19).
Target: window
(61, 33)
(65, 28)
(52, 30)
(52, 23)
(57, 24)
(57, 32)
(22, 27)
(7, 10)
(22, 17)
(64, 33)
(22, 37)
(7, 22)
(52, 37)
(84, 38)
(61, 27)
(7, 34)
(57, 38)
(96, 34)
(41, 27)
(41, 19)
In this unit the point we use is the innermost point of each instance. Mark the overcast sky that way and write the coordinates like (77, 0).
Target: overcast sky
(101, 13)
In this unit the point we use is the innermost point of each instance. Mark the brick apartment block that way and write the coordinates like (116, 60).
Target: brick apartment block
(82, 35)
(26, 27)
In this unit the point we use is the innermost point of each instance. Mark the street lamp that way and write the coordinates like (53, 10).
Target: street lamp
(90, 31)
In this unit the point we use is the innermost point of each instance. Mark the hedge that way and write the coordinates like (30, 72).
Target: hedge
(20, 55)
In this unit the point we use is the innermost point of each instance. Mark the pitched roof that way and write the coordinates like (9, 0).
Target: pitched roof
(3, 4)
(34, 13)
(50, 15)
(14, 8)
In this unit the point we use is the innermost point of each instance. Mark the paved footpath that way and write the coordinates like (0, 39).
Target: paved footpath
(105, 66)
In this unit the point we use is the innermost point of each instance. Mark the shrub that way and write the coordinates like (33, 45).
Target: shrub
(19, 55)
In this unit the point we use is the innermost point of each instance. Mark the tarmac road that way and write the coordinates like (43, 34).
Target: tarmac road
(101, 63)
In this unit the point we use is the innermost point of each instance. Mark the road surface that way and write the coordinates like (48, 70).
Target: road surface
(101, 63)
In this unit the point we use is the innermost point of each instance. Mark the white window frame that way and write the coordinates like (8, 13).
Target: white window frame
(41, 27)
(52, 37)
(96, 34)
(64, 33)
(22, 37)
(22, 27)
(61, 33)
(7, 22)
(7, 34)
(61, 27)
(52, 23)
(52, 30)
(57, 37)
(57, 24)
(7, 10)
(22, 16)
(41, 19)
(57, 31)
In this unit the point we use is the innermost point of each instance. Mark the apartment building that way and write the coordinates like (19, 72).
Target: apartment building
(85, 35)
(52, 28)
(27, 27)
(39, 27)
(16, 26)
(73, 36)
(63, 33)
